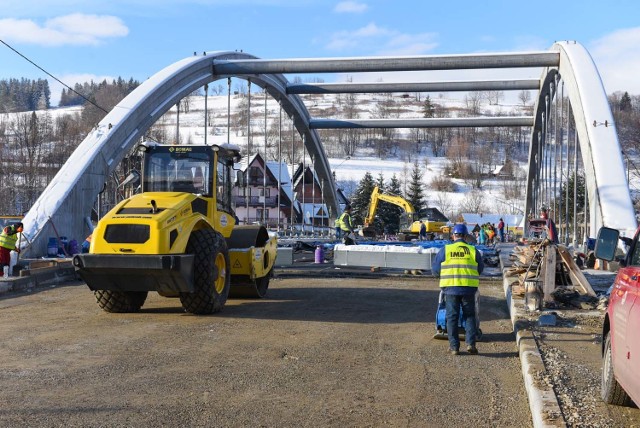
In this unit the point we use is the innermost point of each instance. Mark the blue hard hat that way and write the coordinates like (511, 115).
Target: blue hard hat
(460, 229)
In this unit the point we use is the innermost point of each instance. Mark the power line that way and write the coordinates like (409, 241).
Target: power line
(52, 76)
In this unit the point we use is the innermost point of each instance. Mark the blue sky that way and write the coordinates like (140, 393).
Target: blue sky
(80, 40)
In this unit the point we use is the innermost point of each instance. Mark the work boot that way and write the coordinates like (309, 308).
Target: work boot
(454, 351)
(472, 349)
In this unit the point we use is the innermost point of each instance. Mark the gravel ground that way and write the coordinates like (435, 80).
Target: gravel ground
(317, 352)
(571, 352)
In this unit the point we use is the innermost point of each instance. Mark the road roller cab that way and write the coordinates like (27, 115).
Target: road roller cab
(179, 236)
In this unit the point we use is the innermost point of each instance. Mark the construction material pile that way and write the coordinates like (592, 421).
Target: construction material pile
(547, 275)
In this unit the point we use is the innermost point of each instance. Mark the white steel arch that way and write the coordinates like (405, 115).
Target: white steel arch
(64, 205)
(607, 188)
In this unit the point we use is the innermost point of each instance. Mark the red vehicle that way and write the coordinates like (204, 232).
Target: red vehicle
(620, 339)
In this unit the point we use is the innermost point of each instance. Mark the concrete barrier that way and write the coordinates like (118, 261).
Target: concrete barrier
(383, 256)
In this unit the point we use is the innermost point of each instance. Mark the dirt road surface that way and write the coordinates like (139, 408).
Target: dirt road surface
(317, 352)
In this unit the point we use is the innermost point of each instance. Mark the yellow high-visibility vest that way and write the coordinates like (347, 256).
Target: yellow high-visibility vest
(345, 222)
(8, 241)
(459, 268)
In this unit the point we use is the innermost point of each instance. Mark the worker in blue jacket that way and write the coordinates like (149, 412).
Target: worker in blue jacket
(459, 266)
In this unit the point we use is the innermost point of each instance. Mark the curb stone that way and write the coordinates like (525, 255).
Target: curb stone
(48, 277)
(543, 403)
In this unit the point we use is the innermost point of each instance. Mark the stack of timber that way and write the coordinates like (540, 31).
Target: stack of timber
(549, 265)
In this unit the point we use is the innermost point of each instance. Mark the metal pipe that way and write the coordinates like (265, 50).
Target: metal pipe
(229, 117)
(313, 198)
(279, 161)
(206, 96)
(566, 189)
(264, 176)
(323, 206)
(375, 88)
(555, 147)
(575, 189)
(247, 192)
(445, 122)
(379, 64)
(547, 144)
(561, 149)
(586, 224)
(293, 165)
(538, 194)
(304, 158)
(545, 124)
(178, 122)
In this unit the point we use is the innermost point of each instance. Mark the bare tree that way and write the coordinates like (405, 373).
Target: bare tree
(473, 101)
(515, 188)
(473, 203)
(524, 96)
(494, 97)
(185, 104)
(31, 132)
(457, 154)
(104, 99)
(440, 136)
(445, 204)
(349, 139)
(158, 131)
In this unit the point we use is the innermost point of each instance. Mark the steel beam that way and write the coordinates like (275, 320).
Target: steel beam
(378, 64)
(447, 122)
(372, 88)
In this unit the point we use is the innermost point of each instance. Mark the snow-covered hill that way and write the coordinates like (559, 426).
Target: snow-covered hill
(348, 170)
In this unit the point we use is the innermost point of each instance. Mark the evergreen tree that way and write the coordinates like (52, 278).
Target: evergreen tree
(391, 214)
(361, 198)
(580, 197)
(625, 102)
(382, 212)
(428, 108)
(415, 192)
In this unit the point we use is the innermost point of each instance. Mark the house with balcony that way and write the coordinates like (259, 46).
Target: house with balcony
(309, 198)
(267, 195)
(301, 199)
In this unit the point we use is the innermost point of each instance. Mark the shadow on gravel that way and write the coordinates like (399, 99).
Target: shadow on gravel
(498, 337)
(164, 310)
(44, 288)
(356, 305)
(482, 353)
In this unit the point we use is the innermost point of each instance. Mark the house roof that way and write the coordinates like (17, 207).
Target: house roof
(315, 210)
(275, 169)
(280, 170)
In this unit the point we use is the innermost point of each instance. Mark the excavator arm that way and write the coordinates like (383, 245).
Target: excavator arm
(377, 196)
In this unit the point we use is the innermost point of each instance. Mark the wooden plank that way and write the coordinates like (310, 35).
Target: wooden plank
(529, 275)
(37, 264)
(548, 274)
(577, 277)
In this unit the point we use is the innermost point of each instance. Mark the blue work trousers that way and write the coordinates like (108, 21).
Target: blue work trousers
(468, 304)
